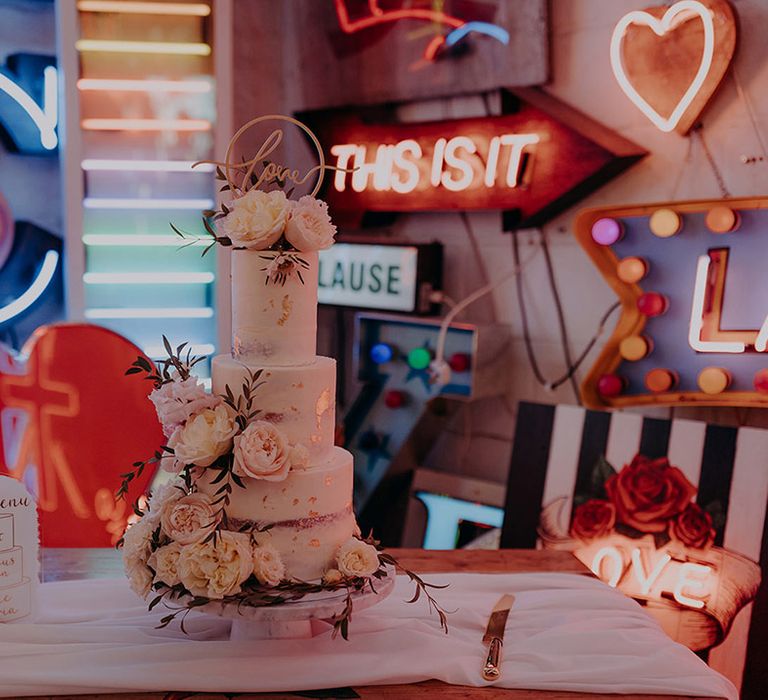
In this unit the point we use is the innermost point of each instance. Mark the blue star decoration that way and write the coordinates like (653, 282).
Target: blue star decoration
(374, 445)
(674, 342)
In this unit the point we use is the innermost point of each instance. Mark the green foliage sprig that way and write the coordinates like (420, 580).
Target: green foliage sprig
(162, 373)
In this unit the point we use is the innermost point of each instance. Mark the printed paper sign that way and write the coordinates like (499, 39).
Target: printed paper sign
(18, 551)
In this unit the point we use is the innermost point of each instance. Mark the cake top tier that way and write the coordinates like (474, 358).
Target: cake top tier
(275, 236)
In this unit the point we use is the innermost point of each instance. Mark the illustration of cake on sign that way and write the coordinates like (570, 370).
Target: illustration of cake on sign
(19, 549)
(256, 522)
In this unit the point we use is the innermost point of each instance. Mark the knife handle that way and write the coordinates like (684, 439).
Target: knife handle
(491, 670)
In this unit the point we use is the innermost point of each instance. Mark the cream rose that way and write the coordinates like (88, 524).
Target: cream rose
(163, 494)
(165, 563)
(309, 227)
(262, 452)
(189, 519)
(268, 566)
(357, 558)
(176, 401)
(332, 577)
(137, 542)
(204, 437)
(216, 570)
(256, 220)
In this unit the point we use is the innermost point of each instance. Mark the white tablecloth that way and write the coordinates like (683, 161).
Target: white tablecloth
(565, 632)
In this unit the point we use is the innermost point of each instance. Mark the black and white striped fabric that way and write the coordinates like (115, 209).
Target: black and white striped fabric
(556, 447)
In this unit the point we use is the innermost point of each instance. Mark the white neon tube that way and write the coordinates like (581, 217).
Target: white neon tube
(148, 277)
(163, 166)
(34, 291)
(146, 203)
(150, 312)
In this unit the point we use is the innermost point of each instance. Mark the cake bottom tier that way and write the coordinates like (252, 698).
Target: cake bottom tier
(309, 514)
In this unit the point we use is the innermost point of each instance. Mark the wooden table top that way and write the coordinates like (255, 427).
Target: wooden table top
(77, 564)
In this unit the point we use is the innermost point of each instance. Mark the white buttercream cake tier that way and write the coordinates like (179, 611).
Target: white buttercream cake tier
(300, 401)
(273, 323)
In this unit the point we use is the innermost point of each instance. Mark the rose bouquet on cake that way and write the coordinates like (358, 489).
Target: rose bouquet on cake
(183, 549)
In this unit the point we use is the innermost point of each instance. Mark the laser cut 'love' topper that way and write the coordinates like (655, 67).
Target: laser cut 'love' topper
(272, 170)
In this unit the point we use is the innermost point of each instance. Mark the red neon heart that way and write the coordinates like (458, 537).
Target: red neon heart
(71, 414)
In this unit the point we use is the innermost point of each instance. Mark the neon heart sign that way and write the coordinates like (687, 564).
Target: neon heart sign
(718, 25)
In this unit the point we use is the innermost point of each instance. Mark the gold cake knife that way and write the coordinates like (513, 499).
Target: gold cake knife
(494, 636)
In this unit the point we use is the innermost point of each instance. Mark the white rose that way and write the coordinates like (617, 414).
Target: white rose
(176, 401)
(137, 542)
(261, 452)
(268, 565)
(165, 563)
(189, 519)
(205, 437)
(309, 227)
(357, 558)
(216, 570)
(256, 220)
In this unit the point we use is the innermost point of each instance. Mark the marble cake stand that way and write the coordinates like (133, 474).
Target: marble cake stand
(299, 619)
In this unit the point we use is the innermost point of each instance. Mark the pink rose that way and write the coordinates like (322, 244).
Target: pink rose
(176, 401)
(262, 452)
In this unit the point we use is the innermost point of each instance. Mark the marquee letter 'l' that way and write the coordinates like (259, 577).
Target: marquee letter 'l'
(705, 333)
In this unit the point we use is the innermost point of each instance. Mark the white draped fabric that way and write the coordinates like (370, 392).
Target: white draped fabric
(565, 632)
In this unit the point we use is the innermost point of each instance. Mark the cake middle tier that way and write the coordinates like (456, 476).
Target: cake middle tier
(300, 401)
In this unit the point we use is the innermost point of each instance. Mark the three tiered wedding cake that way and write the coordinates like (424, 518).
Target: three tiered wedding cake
(259, 511)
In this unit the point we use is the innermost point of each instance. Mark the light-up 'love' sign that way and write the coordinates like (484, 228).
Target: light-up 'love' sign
(533, 161)
(670, 60)
(694, 323)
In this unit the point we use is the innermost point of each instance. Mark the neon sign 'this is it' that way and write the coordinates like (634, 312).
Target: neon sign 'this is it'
(456, 163)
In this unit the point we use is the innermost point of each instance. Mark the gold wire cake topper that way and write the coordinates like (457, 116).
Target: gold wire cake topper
(272, 169)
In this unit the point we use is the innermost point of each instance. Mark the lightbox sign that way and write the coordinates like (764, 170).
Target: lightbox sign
(534, 160)
(391, 277)
(694, 322)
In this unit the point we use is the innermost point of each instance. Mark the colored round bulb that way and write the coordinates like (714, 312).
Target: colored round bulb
(610, 385)
(714, 380)
(631, 270)
(652, 304)
(659, 380)
(382, 353)
(722, 219)
(419, 358)
(635, 347)
(665, 223)
(761, 381)
(459, 361)
(394, 398)
(607, 231)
